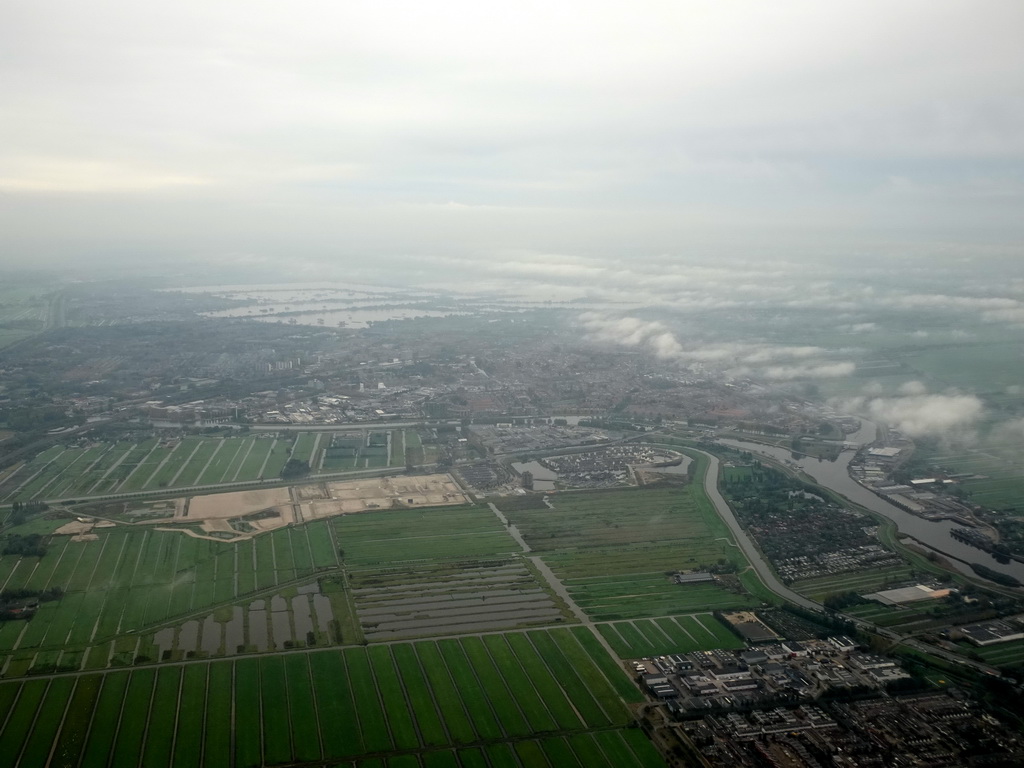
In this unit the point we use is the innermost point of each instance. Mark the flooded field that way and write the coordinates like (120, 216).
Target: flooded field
(290, 619)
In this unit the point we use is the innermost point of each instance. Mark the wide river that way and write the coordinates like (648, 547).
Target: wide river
(835, 476)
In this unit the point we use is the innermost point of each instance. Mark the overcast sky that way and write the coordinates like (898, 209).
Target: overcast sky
(469, 132)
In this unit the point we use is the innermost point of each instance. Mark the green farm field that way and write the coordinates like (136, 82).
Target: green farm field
(999, 483)
(546, 697)
(132, 578)
(615, 550)
(669, 634)
(371, 539)
(861, 582)
(650, 594)
(101, 468)
(105, 468)
(139, 636)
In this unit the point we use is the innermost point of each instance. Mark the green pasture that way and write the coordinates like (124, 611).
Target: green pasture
(587, 520)
(134, 577)
(475, 701)
(668, 634)
(650, 594)
(421, 534)
(861, 582)
(105, 468)
(615, 550)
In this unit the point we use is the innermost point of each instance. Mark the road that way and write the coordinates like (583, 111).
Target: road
(271, 482)
(56, 313)
(762, 568)
(772, 582)
(345, 427)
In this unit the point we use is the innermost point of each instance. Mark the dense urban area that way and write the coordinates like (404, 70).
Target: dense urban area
(364, 526)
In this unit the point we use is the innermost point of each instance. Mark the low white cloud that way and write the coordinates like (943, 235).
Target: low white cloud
(945, 416)
(768, 361)
(1014, 315)
(859, 327)
(632, 332)
(913, 388)
(823, 371)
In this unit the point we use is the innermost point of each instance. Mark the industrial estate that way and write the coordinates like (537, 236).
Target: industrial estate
(472, 540)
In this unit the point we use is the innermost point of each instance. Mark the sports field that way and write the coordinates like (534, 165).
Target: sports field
(544, 698)
(1010, 654)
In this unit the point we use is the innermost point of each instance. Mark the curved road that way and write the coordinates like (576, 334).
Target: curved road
(764, 571)
(770, 580)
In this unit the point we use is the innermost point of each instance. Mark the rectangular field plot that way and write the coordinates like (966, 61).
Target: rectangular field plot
(417, 600)
(857, 581)
(339, 451)
(132, 577)
(649, 594)
(99, 468)
(621, 518)
(669, 634)
(489, 701)
(396, 535)
(614, 550)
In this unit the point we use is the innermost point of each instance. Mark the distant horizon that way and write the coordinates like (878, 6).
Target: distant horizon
(310, 137)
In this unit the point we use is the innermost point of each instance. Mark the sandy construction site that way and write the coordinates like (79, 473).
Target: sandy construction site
(329, 499)
(243, 514)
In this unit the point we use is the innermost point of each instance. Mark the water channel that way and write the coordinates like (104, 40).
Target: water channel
(835, 476)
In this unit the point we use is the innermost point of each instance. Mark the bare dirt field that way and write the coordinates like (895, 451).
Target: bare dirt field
(237, 504)
(242, 514)
(383, 493)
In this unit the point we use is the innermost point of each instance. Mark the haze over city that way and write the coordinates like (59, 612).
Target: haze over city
(460, 385)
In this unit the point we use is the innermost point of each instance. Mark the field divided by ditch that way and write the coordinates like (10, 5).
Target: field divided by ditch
(553, 697)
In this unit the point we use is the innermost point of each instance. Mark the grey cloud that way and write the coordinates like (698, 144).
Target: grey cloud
(658, 130)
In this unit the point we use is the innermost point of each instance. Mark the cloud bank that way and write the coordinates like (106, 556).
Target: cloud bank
(921, 415)
(738, 359)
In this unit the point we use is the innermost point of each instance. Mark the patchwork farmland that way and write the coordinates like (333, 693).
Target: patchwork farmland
(180, 645)
(99, 468)
(544, 698)
(614, 550)
(475, 596)
(670, 634)
(132, 577)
